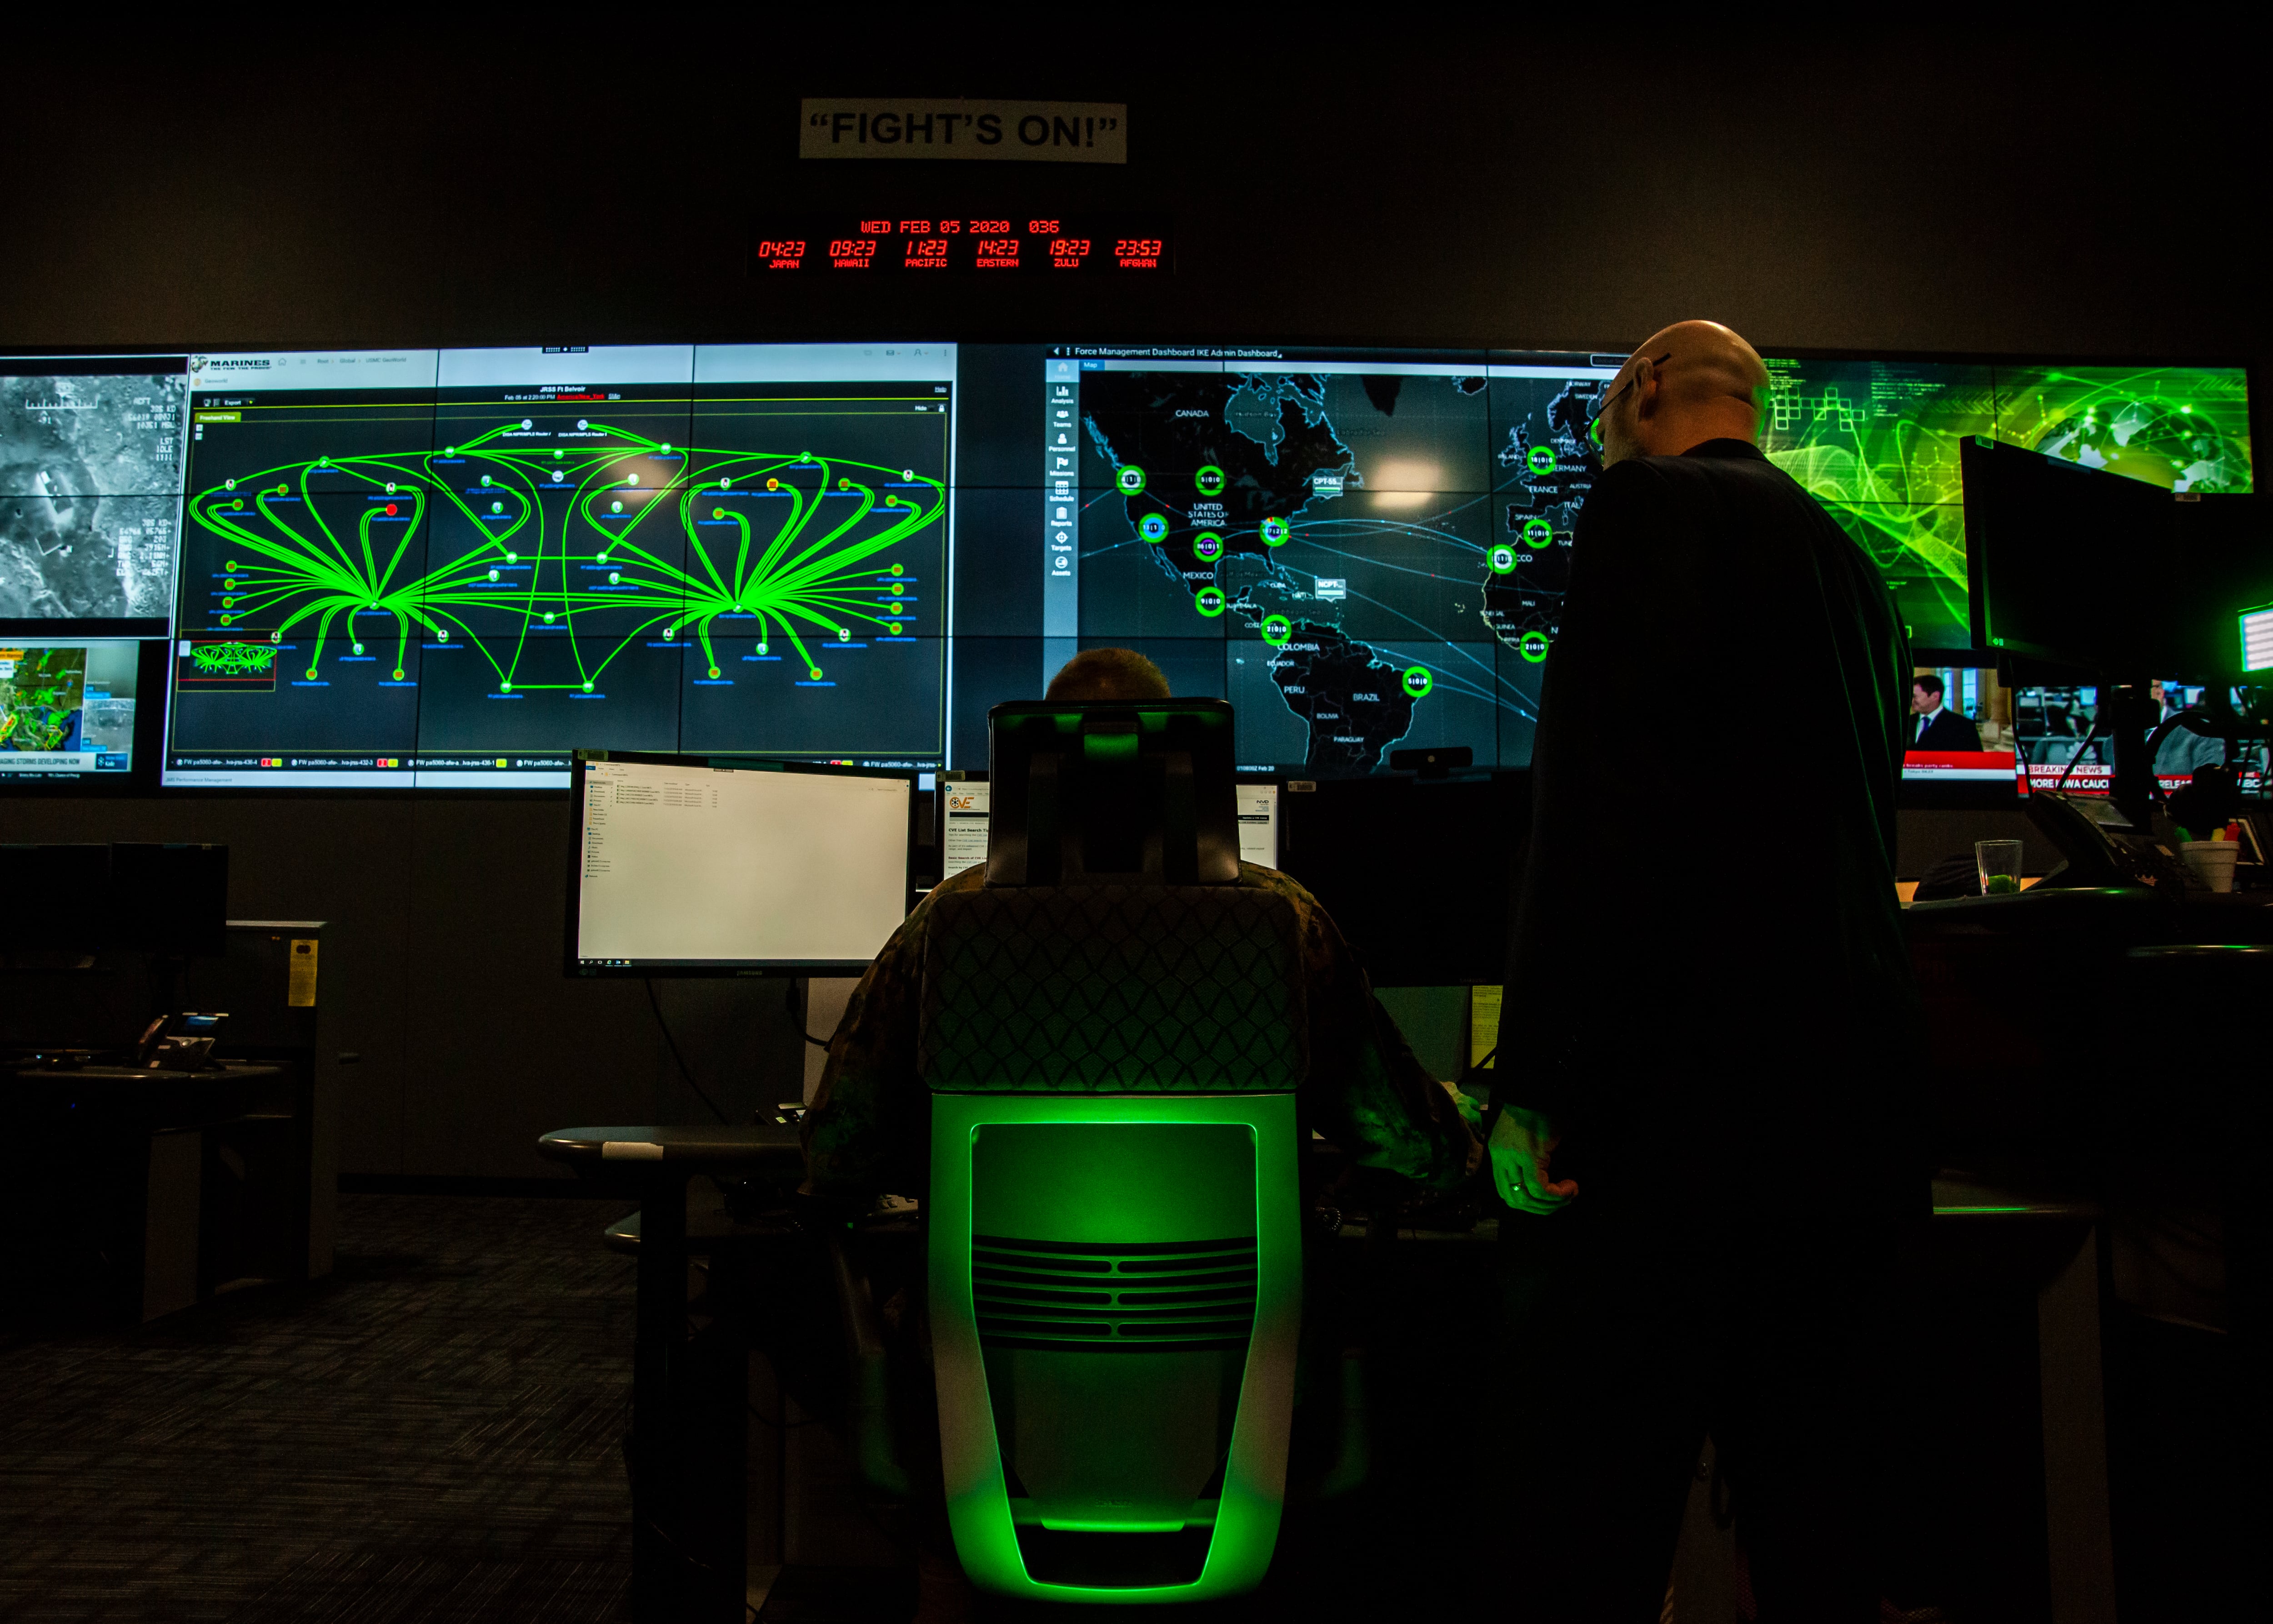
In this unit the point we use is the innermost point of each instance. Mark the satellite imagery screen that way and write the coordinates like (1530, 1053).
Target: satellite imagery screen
(90, 484)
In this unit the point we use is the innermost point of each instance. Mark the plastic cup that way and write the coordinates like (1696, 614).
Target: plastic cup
(2212, 862)
(1999, 862)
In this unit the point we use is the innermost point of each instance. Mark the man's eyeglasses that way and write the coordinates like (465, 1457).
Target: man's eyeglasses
(1595, 424)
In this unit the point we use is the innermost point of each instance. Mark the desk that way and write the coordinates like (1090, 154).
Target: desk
(121, 1174)
(1998, 1478)
(688, 1403)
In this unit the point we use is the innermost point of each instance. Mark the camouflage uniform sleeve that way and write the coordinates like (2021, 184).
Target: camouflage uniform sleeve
(1365, 1091)
(868, 1129)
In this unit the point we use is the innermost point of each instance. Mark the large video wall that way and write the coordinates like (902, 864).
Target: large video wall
(449, 568)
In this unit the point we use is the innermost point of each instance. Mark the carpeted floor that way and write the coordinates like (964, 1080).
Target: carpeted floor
(431, 1434)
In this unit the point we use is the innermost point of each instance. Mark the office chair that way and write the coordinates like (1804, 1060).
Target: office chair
(1113, 1031)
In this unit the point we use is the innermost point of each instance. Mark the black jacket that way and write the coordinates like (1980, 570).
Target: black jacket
(1709, 971)
(1948, 731)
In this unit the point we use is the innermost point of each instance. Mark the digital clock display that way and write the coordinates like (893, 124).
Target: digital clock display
(937, 246)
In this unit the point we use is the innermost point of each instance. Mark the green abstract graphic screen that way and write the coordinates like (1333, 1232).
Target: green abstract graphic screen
(1876, 442)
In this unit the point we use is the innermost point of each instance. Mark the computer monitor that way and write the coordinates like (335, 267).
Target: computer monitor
(686, 866)
(1418, 873)
(2109, 575)
(69, 708)
(964, 803)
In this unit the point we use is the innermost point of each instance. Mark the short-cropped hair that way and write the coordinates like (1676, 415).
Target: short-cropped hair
(1108, 673)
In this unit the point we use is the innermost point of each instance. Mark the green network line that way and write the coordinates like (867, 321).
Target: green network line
(1877, 442)
(808, 576)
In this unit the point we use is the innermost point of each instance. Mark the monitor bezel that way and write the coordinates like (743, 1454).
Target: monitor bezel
(572, 964)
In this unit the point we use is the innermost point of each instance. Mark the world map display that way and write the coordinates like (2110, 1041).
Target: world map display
(1381, 557)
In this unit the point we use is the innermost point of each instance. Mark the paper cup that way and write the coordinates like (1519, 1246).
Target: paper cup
(2212, 862)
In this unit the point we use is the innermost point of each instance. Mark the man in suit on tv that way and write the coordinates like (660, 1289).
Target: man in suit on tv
(1932, 726)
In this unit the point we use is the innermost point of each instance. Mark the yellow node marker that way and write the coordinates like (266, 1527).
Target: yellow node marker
(773, 484)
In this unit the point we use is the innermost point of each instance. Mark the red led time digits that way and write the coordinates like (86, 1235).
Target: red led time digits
(1041, 244)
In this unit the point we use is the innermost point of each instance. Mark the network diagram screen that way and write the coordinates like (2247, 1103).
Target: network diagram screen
(451, 569)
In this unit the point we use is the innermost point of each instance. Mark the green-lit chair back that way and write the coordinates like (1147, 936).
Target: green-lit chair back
(1116, 1270)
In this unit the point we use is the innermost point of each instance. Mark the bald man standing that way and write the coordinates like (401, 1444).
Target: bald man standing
(1708, 1023)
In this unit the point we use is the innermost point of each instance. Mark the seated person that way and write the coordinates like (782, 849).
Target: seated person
(868, 1129)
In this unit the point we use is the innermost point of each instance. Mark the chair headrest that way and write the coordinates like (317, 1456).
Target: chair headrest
(1104, 792)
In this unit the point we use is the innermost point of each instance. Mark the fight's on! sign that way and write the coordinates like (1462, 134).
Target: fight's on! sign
(916, 127)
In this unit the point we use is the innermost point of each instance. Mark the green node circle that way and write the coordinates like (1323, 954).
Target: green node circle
(1275, 532)
(1210, 602)
(504, 687)
(843, 633)
(1540, 459)
(358, 648)
(1538, 533)
(1208, 548)
(1131, 480)
(1278, 631)
(1534, 647)
(398, 673)
(1502, 559)
(588, 687)
(1418, 682)
(1209, 480)
(311, 674)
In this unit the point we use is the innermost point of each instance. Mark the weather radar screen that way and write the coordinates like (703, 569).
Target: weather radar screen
(67, 708)
(454, 567)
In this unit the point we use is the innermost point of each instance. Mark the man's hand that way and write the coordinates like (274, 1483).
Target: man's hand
(1522, 1143)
